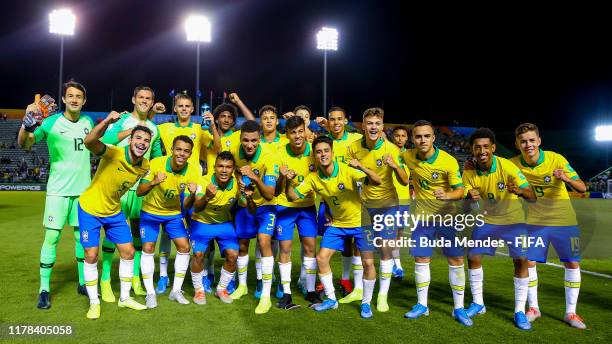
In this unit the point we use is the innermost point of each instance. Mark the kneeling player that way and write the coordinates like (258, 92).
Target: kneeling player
(552, 218)
(211, 220)
(502, 183)
(100, 206)
(336, 183)
(296, 160)
(161, 206)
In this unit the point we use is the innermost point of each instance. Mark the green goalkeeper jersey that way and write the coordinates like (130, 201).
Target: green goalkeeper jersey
(70, 172)
(127, 121)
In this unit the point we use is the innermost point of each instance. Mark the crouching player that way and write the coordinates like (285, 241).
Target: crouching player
(100, 206)
(161, 206)
(211, 220)
(336, 183)
(499, 183)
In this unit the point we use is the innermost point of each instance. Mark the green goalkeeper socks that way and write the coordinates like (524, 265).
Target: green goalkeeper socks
(108, 250)
(79, 253)
(137, 255)
(47, 257)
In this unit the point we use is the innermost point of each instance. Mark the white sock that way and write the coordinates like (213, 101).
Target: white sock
(165, 247)
(422, 277)
(386, 267)
(476, 285)
(147, 268)
(196, 278)
(521, 286)
(456, 277)
(225, 279)
(357, 272)
(302, 278)
(243, 265)
(310, 266)
(572, 289)
(90, 274)
(328, 285)
(532, 294)
(346, 267)
(126, 273)
(258, 262)
(368, 290)
(181, 263)
(267, 267)
(396, 258)
(285, 276)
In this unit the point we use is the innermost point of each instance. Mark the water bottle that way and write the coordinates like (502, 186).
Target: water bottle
(206, 123)
(246, 180)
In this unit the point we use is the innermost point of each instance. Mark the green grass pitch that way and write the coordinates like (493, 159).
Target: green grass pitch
(21, 235)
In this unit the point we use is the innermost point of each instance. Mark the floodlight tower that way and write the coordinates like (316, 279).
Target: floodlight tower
(198, 30)
(62, 23)
(327, 39)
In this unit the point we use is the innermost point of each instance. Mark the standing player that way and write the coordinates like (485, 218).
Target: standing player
(296, 162)
(375, 153)
(68, 178)
(100, 206)
(400, 139)
(552, 218)
(257, 168)
(161, 189)
(499, 184)
(335, 124)
(336, 183)
(212, 220)
(268, 117)
(118, 134)
(203, 142)
(437, 181)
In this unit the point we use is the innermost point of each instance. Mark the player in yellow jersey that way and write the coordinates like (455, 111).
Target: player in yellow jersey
(335, 123)
(304, 112)
(268, 116)
(225, 117)
(337, 184)
(497, 185)
(257, 168)
(437, 182)
(203, 142)
(296, 162)
(211, 221)
(400, 139)
(162, 189)
(380, 156)
(100, 206)
(552, 218)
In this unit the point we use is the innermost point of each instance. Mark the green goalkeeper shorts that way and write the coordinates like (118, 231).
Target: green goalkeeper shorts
(59, 210)
(131, 205)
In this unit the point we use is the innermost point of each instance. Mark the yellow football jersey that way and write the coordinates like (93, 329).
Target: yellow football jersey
(554, 206)
(115, 176)
(264, 164)
(229, 140)
(403, 191)
(498, 205)
(279, 141)
(342, 144)
(383, 195)
(441, 170)
(340, 192)
(218, 209)
(165, 198)
(201, 141)
(302, 165)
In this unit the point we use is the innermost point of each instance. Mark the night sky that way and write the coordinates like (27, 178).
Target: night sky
(480, 65)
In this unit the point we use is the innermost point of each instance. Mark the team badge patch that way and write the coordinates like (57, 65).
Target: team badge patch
(86, 131)
(279, 229)
(341, 186)
(311, 167)
(50, 218)
(256, 171)
(142, 232)
(227, 143)
(85, 236)
(547, 179)
(501, 185)
(232, 200)
(192, 136)
(378, 162)
(182, 186)
(435, 175)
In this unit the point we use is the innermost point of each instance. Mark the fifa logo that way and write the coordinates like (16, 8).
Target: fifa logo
(341, 186)
(85, 236)
(435, 175)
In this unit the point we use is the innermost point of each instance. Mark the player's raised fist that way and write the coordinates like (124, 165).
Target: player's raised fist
(513, 188)
(159, 107)
(560, 174)
(247, 171)
(388, 159)
(474, 194)
(291, 174)
(288, 115)
(321, 121)
(211, 190)
(192, 187)
(440, 194)
(159, 178)
(354, 163)
(113, 117)
(233, 97)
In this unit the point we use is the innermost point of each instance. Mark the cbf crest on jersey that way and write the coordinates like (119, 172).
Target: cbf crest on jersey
(232, 200)
(501, 185)
(379, 162)
(341, 186)
(547, 179)
(435, 175)
(86, 131)
(192, 136)
(256, 171)
(182, 186)
(311, 167)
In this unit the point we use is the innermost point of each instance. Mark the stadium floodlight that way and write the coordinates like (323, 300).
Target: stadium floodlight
(61, 22)
(603, 133)
(327, 39)
(198, 30)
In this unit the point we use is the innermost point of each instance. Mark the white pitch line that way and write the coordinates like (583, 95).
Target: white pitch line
(593, 273)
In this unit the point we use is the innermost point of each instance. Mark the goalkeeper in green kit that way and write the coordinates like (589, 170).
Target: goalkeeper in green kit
(69, 174)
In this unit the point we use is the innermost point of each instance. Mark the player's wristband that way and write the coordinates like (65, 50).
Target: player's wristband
(31, 128)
